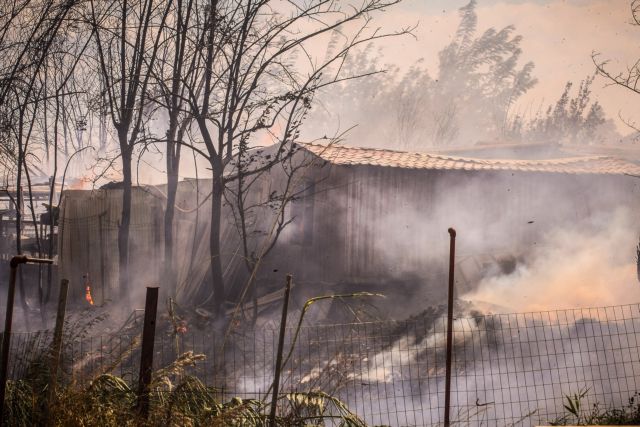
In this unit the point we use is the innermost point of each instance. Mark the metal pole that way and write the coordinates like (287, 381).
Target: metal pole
(146, 357)
(276, 379)
(6, 336)
(102, 272)
(447, 383)
(57, 345)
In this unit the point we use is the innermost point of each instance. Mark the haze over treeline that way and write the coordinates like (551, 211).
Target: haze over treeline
(472, 96)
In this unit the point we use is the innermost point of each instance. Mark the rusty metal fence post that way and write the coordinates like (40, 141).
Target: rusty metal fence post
(146, 356)
(447, 381)
(278, 368)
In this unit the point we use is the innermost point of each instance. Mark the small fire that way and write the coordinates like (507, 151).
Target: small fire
(80, 183)
(88, 296)
(87, 284)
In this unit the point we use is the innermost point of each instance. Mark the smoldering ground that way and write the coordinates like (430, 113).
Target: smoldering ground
(508, 223)
(508, 367)
(585, 264)
(513, 367)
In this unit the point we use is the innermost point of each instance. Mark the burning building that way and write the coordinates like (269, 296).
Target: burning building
(361, 217)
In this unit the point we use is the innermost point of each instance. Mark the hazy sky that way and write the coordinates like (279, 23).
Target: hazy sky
(558, 36)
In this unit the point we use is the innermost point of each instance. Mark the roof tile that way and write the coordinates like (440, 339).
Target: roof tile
(343, 155)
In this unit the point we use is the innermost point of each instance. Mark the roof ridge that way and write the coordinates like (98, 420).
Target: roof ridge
(346, 155)
(458, 158)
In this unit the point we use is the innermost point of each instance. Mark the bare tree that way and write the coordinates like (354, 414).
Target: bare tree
(172, 64)
(65, 83)
(30, 31)
(236, 74)
(253, 78)
(127, 38)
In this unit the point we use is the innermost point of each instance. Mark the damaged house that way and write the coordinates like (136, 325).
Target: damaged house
(361, 218)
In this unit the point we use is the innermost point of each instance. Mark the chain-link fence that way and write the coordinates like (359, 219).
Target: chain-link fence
(507, 368)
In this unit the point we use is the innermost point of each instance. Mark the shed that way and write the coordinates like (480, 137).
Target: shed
(380, 216)
(364, 217)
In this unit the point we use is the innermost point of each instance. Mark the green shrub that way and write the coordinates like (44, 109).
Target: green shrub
(577, 414)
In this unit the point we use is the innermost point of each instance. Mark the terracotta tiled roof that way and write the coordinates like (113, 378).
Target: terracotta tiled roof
(342, 155)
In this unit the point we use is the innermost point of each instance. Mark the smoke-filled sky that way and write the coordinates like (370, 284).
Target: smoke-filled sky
(559, 36)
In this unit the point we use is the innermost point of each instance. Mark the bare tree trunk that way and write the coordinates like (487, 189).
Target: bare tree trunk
(19, 205)
(217, 279)
(125, 58)
(172, 188)
(125, 221)
(175, 133)
(239, 47)
(51, 194)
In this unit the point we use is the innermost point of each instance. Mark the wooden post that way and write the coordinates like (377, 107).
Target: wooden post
(56, 346)
(276, 379)
(146, 357)
(447, 392)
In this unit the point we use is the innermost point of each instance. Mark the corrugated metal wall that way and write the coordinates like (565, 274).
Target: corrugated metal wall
(369, 224)
(384, 223)
(88, 241)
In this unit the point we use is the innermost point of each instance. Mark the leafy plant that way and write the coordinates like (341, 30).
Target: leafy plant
(316, 407)
(578, 415)
(574, 402)
(176, 400)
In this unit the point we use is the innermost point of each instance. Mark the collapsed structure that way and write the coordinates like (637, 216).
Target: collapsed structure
(360, 217)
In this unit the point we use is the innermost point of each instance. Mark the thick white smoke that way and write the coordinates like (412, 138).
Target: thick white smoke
(579, 265)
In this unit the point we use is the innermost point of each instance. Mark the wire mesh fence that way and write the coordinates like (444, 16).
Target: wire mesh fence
(508, 369)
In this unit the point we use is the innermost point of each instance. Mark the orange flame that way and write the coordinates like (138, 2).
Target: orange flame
(88, 296)
(80, 183)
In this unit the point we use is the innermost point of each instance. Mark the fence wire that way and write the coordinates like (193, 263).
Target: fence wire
(508, 369)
